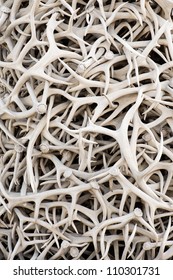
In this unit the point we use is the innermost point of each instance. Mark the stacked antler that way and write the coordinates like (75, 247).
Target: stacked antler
(86, 129)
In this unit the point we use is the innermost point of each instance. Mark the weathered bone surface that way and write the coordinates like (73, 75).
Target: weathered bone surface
(86, 129)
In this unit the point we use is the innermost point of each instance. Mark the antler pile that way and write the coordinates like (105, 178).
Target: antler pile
(86, 129)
